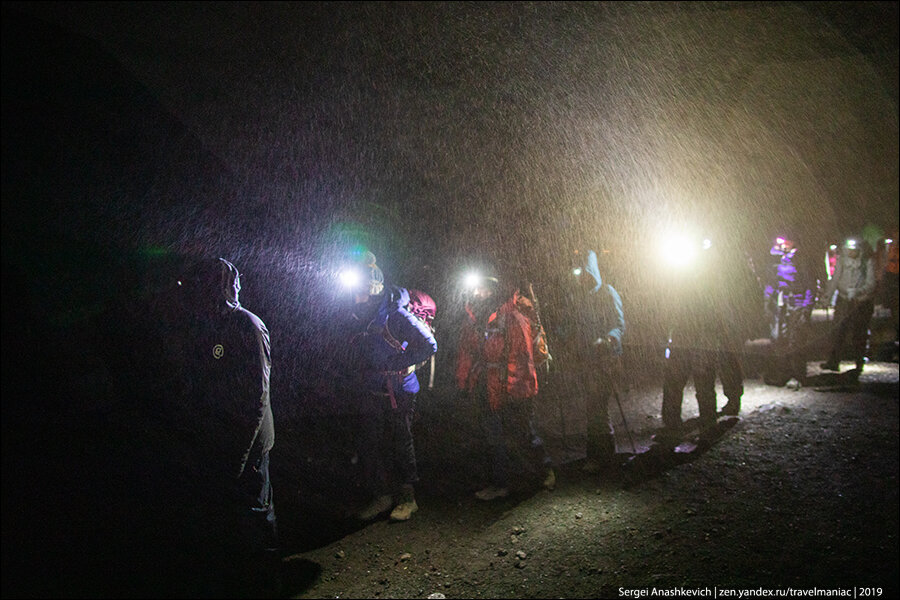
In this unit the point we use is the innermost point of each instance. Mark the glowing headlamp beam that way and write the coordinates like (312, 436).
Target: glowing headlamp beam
(679, 250)
(471, 280)
(350, 278)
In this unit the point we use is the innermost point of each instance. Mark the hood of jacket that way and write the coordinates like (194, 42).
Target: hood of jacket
(230, 284)
(593, 269)
(212, 286)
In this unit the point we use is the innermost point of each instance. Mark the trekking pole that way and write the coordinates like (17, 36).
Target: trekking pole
(615, 387)
(431, 374)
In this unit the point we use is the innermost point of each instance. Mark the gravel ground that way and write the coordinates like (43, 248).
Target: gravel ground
(800, 493)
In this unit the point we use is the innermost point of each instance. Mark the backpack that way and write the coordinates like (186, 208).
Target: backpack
(540, 349)
(422, 307)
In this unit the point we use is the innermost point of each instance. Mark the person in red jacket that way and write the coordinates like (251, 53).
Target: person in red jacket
(495, 366)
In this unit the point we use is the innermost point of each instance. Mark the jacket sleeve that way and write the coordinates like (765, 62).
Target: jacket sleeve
(418, 340)
(833, 282)
(254, 427)
(617, 332)
(868, 288)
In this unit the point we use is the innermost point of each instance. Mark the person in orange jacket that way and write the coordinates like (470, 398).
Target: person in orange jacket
(495, 366)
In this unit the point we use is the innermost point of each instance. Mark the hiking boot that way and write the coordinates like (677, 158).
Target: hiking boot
(407, 505)
(665, 440)
(404, 510)
(549, 482)
(375, 508)
(492, 492)
(830, 366)
(709, 434)
(656, 456)
(732, 408)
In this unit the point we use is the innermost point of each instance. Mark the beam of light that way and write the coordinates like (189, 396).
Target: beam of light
(783, 244)
(678, 250)
(471, 280)
(350, 278)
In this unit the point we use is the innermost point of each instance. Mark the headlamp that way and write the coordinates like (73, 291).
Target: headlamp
(350, 278)
(679, 250)
(471, 280)
(784, 244)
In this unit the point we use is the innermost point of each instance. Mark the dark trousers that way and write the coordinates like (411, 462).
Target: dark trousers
(598, 383)
(259, 498)
(891, 297)
(731, 374)
(681, 365)
(384, 445)
(513, 443)
(851, 319)
(789, 344)
(231, 551)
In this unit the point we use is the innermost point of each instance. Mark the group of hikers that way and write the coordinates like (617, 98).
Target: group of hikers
(501, 357)
(857, 276)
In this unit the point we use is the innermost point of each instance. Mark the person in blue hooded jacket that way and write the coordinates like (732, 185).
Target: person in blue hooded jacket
(386, 342)
(589, 349)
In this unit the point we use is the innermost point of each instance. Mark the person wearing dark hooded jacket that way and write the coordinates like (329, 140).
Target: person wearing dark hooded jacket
(589, 349)
(696, 310)
(222, 355)
(854, 283)
(386, 342)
